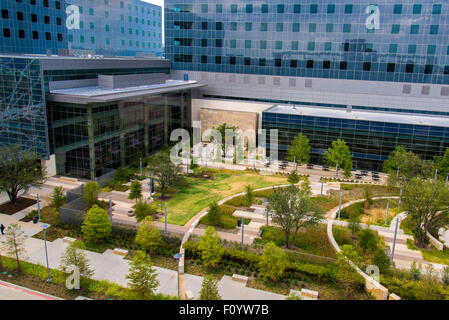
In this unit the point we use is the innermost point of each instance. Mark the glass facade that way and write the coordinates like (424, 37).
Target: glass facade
(370, 141)
(32, 26)
(22, 105)
(114, 27)
(399, 41)
(90, 140)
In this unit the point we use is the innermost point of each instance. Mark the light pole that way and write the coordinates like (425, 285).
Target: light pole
(388, 209)
(178, 257)
(243, 229)
(400, 199)
(339, 207)
(336, 171)
(322, 185)
(110, 207)
(38, 207)
(394, 240)
(165, 231)
(44, 227)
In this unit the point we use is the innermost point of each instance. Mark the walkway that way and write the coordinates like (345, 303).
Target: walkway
(9, 291)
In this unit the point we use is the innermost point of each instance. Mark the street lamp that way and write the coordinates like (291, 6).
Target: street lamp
(38, 207)
(336, 171)
(178, 256)
(165, 231)
(44, 227)
(243, 228)
(339, 207)
(388, 209)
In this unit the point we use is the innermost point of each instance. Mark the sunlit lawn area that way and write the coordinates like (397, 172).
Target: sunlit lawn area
(200, 193)
(373, 214)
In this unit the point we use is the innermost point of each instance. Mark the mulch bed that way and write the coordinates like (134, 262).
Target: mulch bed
(22, 203)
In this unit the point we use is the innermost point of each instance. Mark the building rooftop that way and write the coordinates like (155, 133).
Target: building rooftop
(390, 117)
(71, 57)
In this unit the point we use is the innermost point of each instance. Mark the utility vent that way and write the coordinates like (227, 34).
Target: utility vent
(445, 91)
(308, 83)
(292, 82)
(277, 81)
(246, 79)
(262, 80)
(407, 89)
(232, 78)
(204, 76)
(425, 90)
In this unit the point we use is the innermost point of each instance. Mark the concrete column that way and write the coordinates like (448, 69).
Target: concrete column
(122, 133)
(90, 132)
(165, 119)
(146, 110)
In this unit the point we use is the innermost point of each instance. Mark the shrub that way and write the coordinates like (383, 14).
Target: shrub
(58, 199)
(249, 196)
(381, 260)
(273, 262)
(143, 210)
(445, 275)
(367, 240)
(213, 216)
(415, 271)
(227, 210)
(90, 193)
(96, 225)
(239, 201)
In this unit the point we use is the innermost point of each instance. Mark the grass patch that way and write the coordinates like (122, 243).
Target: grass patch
(200, 193)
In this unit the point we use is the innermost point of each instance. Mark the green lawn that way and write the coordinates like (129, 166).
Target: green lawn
(200, 193)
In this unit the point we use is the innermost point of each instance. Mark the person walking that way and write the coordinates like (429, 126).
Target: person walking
(2, 229)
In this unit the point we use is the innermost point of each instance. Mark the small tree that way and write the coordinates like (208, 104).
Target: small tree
(354, 223)
(249, 195)
(142, 276)
(415, 271)
(273, 262)
(58, 199)
(209, 289)
(346, 275)
(368, 197)
(339, 152)
(225, 130)
(299, 150)
(367, 240)
(90, 193)
(293, 178)
(213, 215)
(14, 243)
(381, 260)
(19, 171)
(143, 210)
(148, 236)
(74, 256)
(165, 172)
(96, 225)
(135, 192)
(210, 247)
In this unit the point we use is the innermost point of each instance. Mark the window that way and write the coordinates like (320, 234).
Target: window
(367, 66)
(281, 8)
(295, 27)
(326, 64)
(278, 45)
(328, 46)
(312, 27)
(59, 36)
(19, 15)
(431, 49)
(47, 36)
(248, 26)
(91, 11)
(331, 8)
(91, 26)
(412, 48)
(395, 28)
(46, 4)
(203, 59)
(278, 62)
(219, 8)
(233, 43)
(309, 64)
(311, 46)
(21, 34)
(265, 8)
(313, 8)
(279, 27)
(35, 35)
(346, 28)
(217, 59)
(264, 26)
(232, 60)
(204, 42)
(295, 45)
(293, 63)
(247, 61)
(428, 69)
(58, 5)
(248, 44)
(417, 9)
(249, 8)
(297, 8)
(233, 26)
(343, 65)
(262, 62)
(46, 19)
(58, 21)
(204, 25)
(219, 26)
(414, 29)
(348, 8)
(391, 67)
(33, 2)
(397, 9)
(409, 68)
(436, 9)
(263, 44)
(393, 48)
(329, 27)
(434, 29)
(5, 14)
(204, 8)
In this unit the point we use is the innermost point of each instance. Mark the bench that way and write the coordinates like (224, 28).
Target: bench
(120, 252)
(309, 293)
(239, 278)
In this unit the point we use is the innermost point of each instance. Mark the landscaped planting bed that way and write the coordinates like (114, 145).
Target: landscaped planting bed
(21, 203)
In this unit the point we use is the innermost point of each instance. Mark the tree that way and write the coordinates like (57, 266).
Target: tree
(367, 240)
(346, 275)
(381, 260)
(299, 150)
(293, 177)
(415, 271)
(142, 276)
(225, 130)
(339, 152)
(96, 225)
(410, 166)
(148, 236)
(135, 193)
(14, 243)
(143, 210)
(273, 262)
(368, 197)
(19, 171)
(91, 191)
(210, 247)
(209, 289)
(424, 200)
(213, 215)
(249, 195)
(165, 172)
(442, 164)
(58, 199)
(292, 208)
(74, 256)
